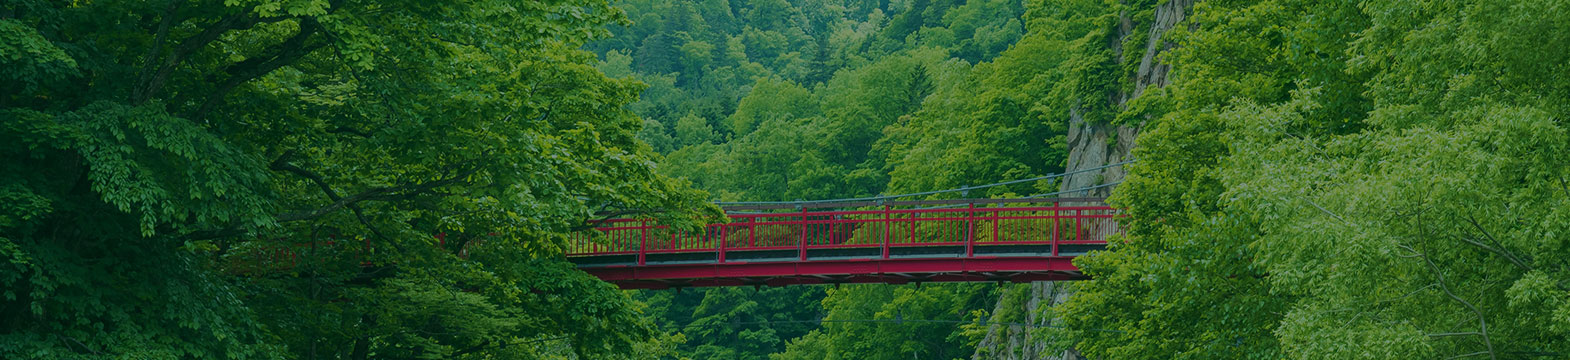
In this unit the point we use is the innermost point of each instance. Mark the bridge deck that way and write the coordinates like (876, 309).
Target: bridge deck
(1005, 240)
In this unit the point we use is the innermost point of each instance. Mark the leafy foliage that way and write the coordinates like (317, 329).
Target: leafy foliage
(872, 323)
(1374, 182)
(777, 100)
(260, 179)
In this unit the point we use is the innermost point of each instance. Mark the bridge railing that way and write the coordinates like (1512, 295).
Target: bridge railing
(969, 223)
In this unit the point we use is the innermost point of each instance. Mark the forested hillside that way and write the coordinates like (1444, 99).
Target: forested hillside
(776, 100)
(355, 179)
(770, 100)
(1382, 180)
(1347, 180)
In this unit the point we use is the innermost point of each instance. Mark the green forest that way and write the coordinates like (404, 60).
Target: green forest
(401, 179)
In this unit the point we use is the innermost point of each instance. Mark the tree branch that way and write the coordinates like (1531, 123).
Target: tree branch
(377, 194)
(606, 216)
(282, 164)
(350, 131)
(1327, 212)
(1496, 250)
(150, 83)
(1467, 355)
(1469, 333)
(149, 61)
(79, 343)
(393, 193)
(1564, 186)
(278, 56)
(1481, 320)
(1502, 253)
(272, 58)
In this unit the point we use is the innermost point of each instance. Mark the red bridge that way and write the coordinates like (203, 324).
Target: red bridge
(896, 242)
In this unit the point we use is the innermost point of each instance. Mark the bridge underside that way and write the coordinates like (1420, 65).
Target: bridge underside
(833, 266)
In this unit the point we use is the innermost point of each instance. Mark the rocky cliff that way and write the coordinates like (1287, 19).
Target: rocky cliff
(1092, 143)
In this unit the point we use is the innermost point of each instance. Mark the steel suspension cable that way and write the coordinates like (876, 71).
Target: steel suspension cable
(893, 321)
(966, 188)
(1036, 196)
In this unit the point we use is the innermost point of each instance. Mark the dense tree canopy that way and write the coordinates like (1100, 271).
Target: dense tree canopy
(397, 179)
(832, 99)
(1378, 180)
(1345, 180)
(264, 179)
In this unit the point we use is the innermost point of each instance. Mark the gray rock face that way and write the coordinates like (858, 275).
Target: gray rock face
(1013, 342)
(1090, 145)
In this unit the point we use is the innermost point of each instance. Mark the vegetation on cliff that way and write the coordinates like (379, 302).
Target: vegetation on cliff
(397, 179)
(1346, 180)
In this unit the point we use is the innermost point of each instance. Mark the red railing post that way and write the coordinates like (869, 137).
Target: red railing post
(970, 231)
(752, 232)
(1079, 226)
(643, 240)
(888, 229)
(801, 246)
(913, 215)
(997, 220)
(1055, 229)
(722, 243)
(829, 230)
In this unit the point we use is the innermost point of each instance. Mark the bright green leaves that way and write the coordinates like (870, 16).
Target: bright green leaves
(28, 61)
(771, 99)
(693, 129)
(1542, 297)
(143, 302)
(90, 199)
(158, 151)
(168, 171)
(740, 323)
(1497, 51)
(1389, 221)
(599, 319)
(276, 8)
(358, 40)
(885, 322)
(1370, 184)
(23, 206)
(1190, 295)
(1304, 336)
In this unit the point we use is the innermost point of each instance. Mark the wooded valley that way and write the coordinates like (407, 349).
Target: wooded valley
(352, 179)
